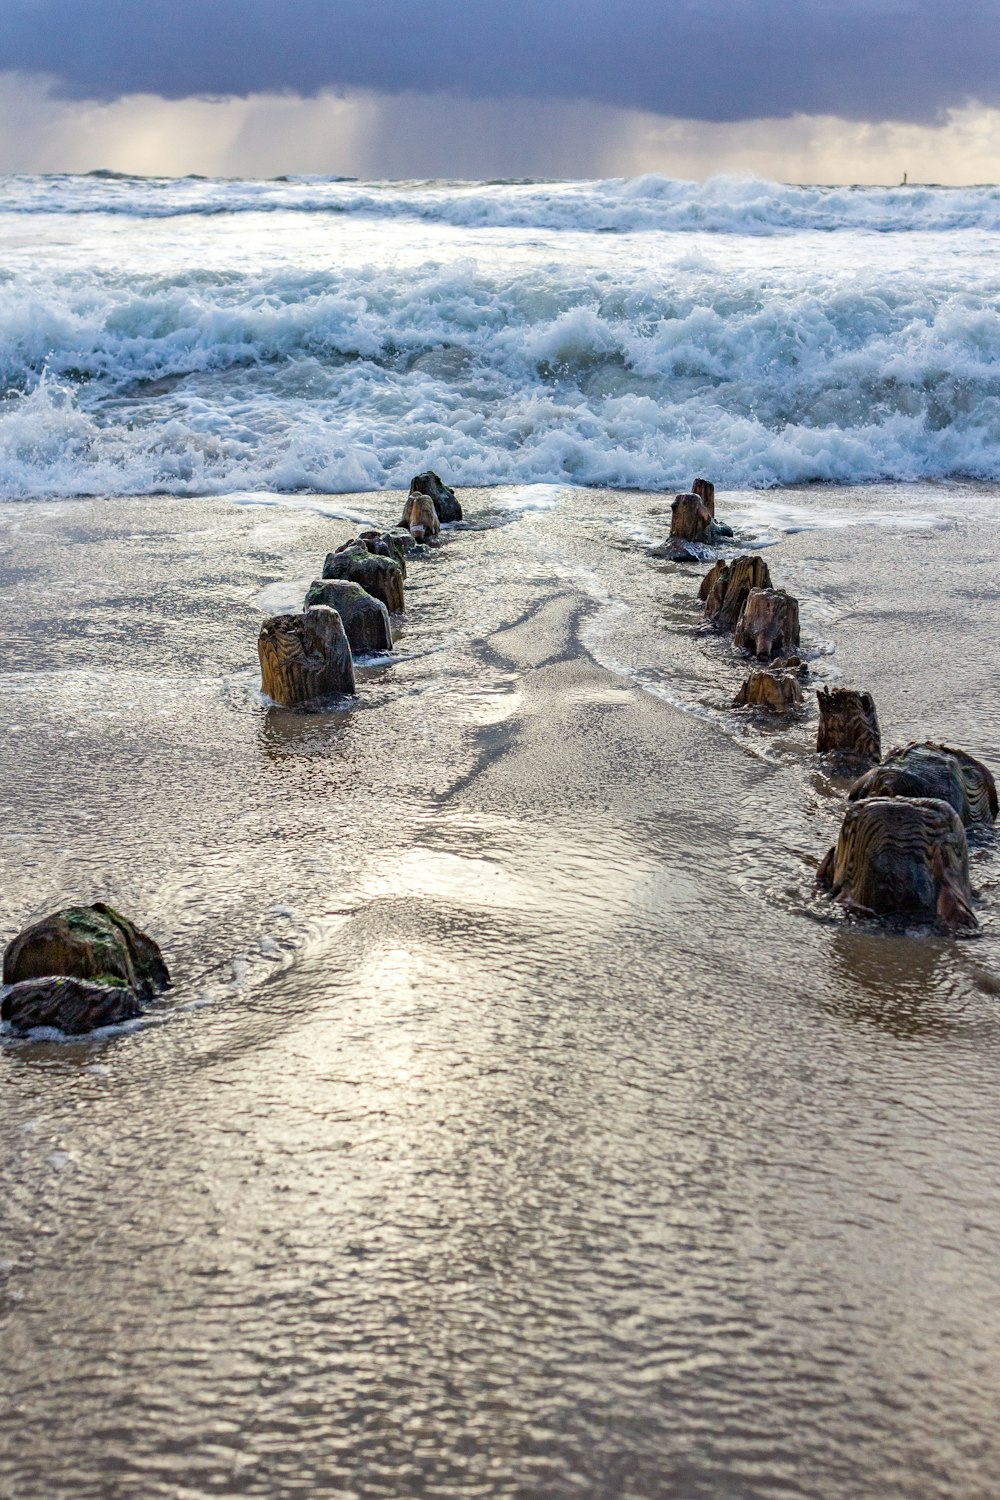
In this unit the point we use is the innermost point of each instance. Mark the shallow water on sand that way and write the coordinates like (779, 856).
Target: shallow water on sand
(520, 1122)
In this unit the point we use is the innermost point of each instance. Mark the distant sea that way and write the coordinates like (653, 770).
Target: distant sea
(197, 336)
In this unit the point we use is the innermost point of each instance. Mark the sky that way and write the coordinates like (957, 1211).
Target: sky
(800, 90)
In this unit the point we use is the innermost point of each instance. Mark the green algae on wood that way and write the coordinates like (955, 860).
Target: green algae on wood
(88, 942)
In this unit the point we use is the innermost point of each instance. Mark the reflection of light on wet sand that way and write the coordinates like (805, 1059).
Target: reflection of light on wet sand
(487, 708)
(432, 875)
(549, 873)
(392, 979)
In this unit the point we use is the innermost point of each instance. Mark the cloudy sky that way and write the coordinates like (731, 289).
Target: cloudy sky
(805, 90)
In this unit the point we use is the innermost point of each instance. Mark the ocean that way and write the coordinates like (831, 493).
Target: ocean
(522, 1123)
(187, 337)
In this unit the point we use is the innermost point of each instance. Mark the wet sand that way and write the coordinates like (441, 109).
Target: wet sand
(521, 1122)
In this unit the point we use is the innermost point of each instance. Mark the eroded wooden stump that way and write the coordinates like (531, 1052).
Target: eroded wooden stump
(931, 770)
(768, 624)
(900, 856)
(420, 518)
(848, 724)
(690, 519)
(365, 618)
(980, 786)
(727, 585)
(88, 942)
(379, 576)
(710, 579)
(772, 689)
(70, 1005)
(705, 490)
(443, 498)
(305, 658)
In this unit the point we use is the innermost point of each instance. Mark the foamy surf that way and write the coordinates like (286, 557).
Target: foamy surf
(736, 204)
(328, 346)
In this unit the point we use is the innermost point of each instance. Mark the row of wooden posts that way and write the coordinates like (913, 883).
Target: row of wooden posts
(87, 967)
(307, 657)
(903, 844)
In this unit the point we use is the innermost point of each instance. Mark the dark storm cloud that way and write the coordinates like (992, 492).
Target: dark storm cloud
(699, 59)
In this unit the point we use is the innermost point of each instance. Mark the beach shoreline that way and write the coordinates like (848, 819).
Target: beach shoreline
(521, 1120)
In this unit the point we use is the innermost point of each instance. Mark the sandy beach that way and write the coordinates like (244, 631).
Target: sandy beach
(521, 1121)
(478, 1020)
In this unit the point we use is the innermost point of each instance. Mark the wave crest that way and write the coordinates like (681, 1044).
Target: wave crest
(721, 205)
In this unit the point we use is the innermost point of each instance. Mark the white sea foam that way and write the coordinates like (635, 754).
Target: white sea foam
(518, 497)
(335, 345)
(767, 518)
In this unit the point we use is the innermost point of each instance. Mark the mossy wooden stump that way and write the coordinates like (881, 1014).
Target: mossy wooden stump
(365, 618)
(81, 967)
(383, 544)
(727, 585)
(73, 1006)
(902, 857)
(305, 658)
(88, 942)
(848, 724)
(768, 623)
(931, 770)
(381, 577)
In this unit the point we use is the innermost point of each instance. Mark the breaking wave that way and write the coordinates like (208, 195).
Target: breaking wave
(321, 361)
(722, 205)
